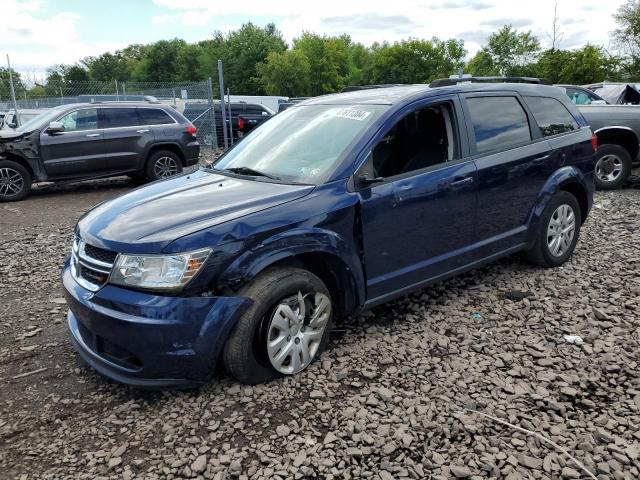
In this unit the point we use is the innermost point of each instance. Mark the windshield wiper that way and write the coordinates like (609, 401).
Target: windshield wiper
(250, 171)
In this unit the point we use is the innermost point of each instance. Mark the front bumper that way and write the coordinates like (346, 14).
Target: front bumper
(147, 340)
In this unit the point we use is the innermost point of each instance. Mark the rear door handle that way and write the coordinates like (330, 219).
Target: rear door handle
(540, 159)
(145, 130)
(461, 183)
(93, 134)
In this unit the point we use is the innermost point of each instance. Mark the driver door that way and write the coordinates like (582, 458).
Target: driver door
(76, 151)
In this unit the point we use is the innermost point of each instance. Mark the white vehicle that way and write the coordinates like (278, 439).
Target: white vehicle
(11, 121)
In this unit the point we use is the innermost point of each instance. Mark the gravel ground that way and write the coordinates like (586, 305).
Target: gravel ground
(470, 378)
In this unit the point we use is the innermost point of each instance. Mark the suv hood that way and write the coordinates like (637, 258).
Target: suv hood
(147, 219)
(8, 134)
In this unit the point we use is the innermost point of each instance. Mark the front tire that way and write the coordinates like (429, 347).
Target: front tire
(613, 166)
(163, 164)
(558, 231)
(15, 181)
(285, 329)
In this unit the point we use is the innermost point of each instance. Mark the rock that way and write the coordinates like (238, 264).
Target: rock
(317, 394)
(459, 471)
(568, 472)
(199, 464)
(530, 462)
(114, 462)
(329, 438)
(282, 430)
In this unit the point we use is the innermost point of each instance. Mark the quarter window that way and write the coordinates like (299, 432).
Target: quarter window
(499, 123)
(154, 116)
(85, 119)
(552, 117)
(120, 117)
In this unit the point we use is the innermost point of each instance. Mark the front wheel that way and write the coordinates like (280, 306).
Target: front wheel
(613, 166)
(285, 329)
(163, 164)
(15, 181)
(558, 231)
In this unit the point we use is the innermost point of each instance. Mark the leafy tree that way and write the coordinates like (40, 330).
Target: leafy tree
(286, 73)
(551, 64)
(160, 62)
(627, 35)
(508, 52)
(416, 61)
(109, 67)
(589, 64)
(5, 85)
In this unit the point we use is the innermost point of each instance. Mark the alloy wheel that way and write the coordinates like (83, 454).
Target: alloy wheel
(296, 330)
(11, 182)
(165, 167)
(561, 229)
(609, 168)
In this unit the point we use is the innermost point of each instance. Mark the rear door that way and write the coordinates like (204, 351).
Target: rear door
(125, 139)
(78, 150)
(513, 160)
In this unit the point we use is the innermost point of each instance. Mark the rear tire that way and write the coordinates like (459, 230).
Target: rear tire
(268, 342)
(15, 181)
(163, 164)
(558, 231)
(613, 166)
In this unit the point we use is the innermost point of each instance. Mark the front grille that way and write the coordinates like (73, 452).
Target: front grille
(91, 266)
(100, 254)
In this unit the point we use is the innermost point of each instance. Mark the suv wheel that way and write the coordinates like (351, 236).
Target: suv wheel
(163, 164)
(285, 329)
(15, 181)
(558, 231)
(613, 166)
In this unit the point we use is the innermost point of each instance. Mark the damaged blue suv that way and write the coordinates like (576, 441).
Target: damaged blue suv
(338, 204)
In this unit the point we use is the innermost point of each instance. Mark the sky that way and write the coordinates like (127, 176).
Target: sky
(41, 33)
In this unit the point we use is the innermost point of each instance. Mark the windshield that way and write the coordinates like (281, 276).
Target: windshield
(42, 120)
(301, 144)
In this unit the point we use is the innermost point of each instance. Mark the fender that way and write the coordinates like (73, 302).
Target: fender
(303, 240)
(633, 146)
(561, 177)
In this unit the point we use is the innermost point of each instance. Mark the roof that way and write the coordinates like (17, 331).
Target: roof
(397, 94)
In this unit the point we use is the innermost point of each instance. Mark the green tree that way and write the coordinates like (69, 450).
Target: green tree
(109, 67)
(416, 61)
(286, 73)
(5, 86)
(551, 64)
(627, 35)
(508, 52)
(590, 64)
(160, 62)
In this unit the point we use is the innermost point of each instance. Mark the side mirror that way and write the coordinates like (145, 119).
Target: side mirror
(265, 114)
(55, 127)
(366, 180)
(12, 125)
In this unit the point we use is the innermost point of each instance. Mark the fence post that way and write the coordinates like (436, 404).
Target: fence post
(222, 109)
(61, 97)
(230, 120)
(13, 93)
(124, 90)
(212, 113)
(117, 94)
(174, 97)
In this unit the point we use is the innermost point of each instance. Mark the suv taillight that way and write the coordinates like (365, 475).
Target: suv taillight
(191, 130)
(594, 142)
(240, 123)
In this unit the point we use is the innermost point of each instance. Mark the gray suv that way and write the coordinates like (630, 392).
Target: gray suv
(91, 140)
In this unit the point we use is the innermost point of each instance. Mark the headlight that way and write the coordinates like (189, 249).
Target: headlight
(158, 272)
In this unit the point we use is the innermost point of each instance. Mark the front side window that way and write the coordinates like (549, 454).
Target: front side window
(422, 139)
(499, 123)
(154, 116)
(302, 144)
(552, 117)
(85, 119)
(119, 117)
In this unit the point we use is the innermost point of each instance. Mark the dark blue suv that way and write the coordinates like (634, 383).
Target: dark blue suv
(335, 205)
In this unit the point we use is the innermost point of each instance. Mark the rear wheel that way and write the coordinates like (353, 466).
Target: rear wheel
(558, 231)
(163, 164)
(285, 329)
(15, 181)
(613, 166)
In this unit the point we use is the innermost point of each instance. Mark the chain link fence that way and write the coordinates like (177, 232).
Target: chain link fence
(195, 100)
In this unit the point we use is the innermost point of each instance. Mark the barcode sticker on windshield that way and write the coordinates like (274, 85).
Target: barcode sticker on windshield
(351, 114)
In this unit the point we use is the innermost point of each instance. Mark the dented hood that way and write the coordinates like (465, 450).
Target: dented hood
(147, 219)
(9, 134)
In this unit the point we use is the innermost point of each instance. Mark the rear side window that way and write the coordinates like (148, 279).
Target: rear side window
(499, 123)
(154, 116)
(552, 117)
(119, 117)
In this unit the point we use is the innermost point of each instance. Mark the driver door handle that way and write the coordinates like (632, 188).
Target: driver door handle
(93, 134)
(144, 130)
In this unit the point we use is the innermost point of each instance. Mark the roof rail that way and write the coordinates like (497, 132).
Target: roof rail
(454, 80)
(355, 88)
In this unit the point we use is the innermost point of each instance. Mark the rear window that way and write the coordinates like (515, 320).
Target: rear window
(154, 116)
(552, 117)
(499, 123)
(119, 117)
